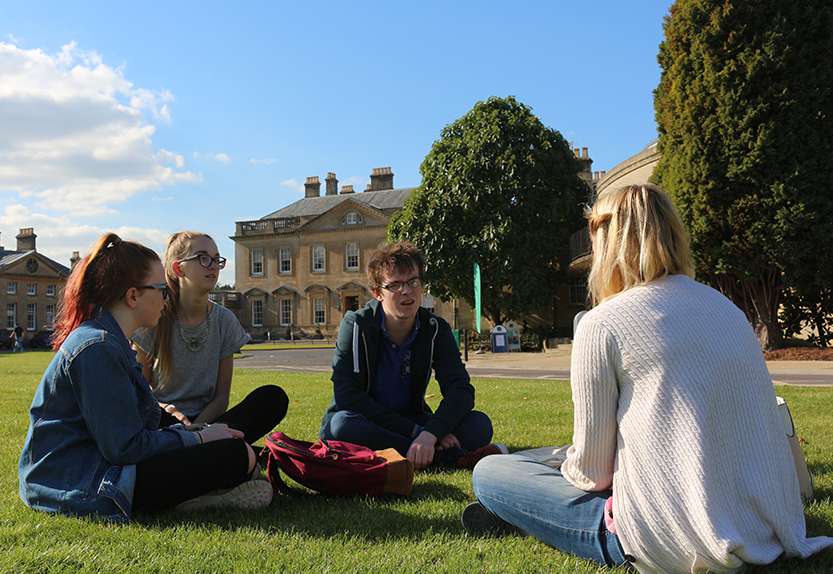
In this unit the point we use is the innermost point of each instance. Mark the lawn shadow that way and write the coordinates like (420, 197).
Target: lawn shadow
(319, 516)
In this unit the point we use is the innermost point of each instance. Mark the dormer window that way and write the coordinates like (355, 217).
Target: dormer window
(353, 218)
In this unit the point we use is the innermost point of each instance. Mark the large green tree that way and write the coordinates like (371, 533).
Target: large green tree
(744, 110)
(501, 189)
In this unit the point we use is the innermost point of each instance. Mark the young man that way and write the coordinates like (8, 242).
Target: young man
(383, 361)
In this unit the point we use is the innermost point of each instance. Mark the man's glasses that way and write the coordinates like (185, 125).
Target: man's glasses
(206, 260)
(161, 287)
(399, 286)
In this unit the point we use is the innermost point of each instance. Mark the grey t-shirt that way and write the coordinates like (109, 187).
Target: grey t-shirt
(196, 354)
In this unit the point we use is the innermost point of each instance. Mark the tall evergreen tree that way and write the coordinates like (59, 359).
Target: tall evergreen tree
(501, 189)
(745, 116)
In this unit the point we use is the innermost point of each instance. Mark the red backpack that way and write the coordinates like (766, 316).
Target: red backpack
(337, 468)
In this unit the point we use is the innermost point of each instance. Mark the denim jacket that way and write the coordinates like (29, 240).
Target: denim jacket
(92, 419)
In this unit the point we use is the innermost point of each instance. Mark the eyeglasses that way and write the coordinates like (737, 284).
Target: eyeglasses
(161, 287)
(206, 260)
(399, 286)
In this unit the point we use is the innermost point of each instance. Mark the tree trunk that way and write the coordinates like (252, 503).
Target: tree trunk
(764, 293)
(759, 299)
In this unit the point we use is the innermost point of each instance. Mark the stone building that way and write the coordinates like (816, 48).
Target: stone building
(299, 269)
(30, 285)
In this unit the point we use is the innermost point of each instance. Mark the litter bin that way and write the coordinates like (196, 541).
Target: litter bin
(500, 339)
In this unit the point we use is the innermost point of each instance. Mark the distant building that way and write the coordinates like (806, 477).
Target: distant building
(299, 269)
(31, 285)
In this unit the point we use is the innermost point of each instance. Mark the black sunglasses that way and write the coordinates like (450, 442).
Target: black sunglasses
(162, 287)
(206, 260)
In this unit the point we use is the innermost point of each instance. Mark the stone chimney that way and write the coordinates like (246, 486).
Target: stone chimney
(381, 178)
(332, 184)
(73, 261)
(26, 239)
(312, 186)
(586, 171)
(346, 189)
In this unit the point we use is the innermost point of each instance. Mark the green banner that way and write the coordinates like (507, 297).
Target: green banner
(477, 297)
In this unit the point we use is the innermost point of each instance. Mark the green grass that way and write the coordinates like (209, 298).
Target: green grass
(318, 534)
(280, 346)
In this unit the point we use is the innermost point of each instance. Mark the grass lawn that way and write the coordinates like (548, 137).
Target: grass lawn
(277, 346)
(318, 534)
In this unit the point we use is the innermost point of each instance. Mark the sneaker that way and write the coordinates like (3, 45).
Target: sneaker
(470, 459)
(477, 521)
(249, 495)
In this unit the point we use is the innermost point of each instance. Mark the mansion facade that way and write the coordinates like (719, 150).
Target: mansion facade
(299, 269)
(31, 285)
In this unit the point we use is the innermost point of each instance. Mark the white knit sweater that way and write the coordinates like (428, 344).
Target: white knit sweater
(675, 408)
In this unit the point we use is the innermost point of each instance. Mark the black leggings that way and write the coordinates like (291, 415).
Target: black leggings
(256, 415)
(165, 480)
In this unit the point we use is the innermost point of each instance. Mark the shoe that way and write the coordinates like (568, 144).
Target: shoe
(249, 495)
(477, 521)
(470, 459)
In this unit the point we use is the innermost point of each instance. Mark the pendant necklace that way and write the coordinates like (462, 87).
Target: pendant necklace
(197, 336)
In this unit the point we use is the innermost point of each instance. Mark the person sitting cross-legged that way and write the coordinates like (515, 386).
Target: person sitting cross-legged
(382, 364)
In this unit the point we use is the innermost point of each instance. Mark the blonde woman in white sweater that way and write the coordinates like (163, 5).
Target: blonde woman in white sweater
(679, 461)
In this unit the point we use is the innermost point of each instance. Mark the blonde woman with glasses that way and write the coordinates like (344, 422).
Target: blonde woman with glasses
(679, 461)
(189, 356)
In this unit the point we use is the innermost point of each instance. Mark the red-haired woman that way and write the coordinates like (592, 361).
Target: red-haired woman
(93, 445)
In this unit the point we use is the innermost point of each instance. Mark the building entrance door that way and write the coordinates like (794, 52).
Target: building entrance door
(351, 303)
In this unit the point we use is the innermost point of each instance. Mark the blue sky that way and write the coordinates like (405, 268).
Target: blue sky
(157, 116)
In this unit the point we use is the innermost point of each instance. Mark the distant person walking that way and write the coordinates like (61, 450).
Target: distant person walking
(17, 340)
(679, 461)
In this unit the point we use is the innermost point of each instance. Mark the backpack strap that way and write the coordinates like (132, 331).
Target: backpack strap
(273, 472)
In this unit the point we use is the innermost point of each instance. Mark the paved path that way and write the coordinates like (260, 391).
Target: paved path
(546, 366)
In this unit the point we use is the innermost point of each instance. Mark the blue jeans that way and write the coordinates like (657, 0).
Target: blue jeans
(539, 501)
(474, 431)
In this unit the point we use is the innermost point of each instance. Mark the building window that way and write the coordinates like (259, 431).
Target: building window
(31, 316)
(31, 288)
(257, 262)
(50, 314)
(257, 313)
(11, 315)
(11, 288)
(286, 312)
(578, 291)
(285, 260)
(351, 256)
(319, 259)
(318, 315)
(50, 290)
(352, 218)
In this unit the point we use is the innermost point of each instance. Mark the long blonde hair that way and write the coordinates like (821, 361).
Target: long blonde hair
(179, 246)
(637, 237)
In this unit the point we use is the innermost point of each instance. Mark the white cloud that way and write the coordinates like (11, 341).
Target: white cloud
(262, 161)
(77, 135)
(222, 158)
(293, 184)
(59, 236)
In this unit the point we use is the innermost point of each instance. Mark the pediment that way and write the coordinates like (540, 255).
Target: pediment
(352, 285)
(334, 218)
(255, 292)
(34, 264)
